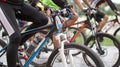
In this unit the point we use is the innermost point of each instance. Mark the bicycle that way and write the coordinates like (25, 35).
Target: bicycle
(99, 43)
(97, 38)
(63, 50)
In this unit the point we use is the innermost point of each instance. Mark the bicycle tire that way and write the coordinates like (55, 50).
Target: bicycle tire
(109, 57)
(74, 46)
(117, 33)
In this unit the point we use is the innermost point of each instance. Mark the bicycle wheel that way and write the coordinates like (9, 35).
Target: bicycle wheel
(110, 51)
(80, 39)
(54, 59)
(3, 49)
(117, 33)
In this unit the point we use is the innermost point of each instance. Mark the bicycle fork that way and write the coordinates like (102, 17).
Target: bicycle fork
(97, 44)
(99, 48)
(62, 39)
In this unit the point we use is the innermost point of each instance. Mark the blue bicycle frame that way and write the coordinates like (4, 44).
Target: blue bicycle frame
(55, 28)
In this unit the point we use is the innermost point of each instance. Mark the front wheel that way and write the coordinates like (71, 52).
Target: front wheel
(108, 50)
(117, 33)
(55, 58)
(80, 39)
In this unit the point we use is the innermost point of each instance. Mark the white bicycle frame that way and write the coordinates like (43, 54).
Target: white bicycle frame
(62, 38)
